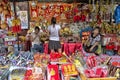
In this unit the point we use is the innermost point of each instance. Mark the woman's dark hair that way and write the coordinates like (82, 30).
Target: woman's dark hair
(98, 28)
(53, 20)
(37, 28)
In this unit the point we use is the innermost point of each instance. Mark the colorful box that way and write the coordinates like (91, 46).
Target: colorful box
(69, 70)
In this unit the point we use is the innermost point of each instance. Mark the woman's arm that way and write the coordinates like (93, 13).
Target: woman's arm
(96, 44)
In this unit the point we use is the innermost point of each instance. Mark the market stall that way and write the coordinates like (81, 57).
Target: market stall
(77, 20)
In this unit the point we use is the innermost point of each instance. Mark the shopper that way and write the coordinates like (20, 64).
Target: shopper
(37, 45)
(54, 36)
(91, 45)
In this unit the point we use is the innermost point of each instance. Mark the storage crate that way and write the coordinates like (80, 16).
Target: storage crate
(83, 77)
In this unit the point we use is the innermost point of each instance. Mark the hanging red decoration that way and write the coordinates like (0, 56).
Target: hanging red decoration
(34, 11)
(76, 18)
(16, 25)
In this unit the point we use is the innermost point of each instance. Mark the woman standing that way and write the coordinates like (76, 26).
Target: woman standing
(54, 38)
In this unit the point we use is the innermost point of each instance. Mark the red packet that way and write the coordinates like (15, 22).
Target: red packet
(99, 72)
(53, 72)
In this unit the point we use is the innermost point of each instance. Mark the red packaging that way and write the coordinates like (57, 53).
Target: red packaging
(104, 73)
(68, 70)
(110, 47)
(53, 72)
(99, 71)
(55, 55)
(28, 75)
(91, 61)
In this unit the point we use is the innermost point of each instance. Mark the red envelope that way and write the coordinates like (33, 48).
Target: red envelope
(53, 72)
(99, 71)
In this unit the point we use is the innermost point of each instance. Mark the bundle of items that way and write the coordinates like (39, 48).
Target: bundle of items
(41, 59)
(65, 31)
(44, 36)
(36, 73)
(97, 72)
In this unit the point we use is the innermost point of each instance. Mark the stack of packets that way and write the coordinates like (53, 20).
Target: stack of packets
(53, 72)
(69, 72)
(94, 70)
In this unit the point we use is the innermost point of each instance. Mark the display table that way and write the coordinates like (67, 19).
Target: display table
(83, 77)
(68, 48)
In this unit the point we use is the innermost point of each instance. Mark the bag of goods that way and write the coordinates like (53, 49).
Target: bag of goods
(96, 72)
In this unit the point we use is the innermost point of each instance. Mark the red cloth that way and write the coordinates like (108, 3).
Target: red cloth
(71, 47)
(66, 47)
(110, 47)
(78, 46)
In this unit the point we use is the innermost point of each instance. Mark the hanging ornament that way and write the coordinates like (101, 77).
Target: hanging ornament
(16, 25)
(34, 10)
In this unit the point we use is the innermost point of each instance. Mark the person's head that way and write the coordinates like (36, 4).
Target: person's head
(96, 30)
(53, 20)
(37, 29)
